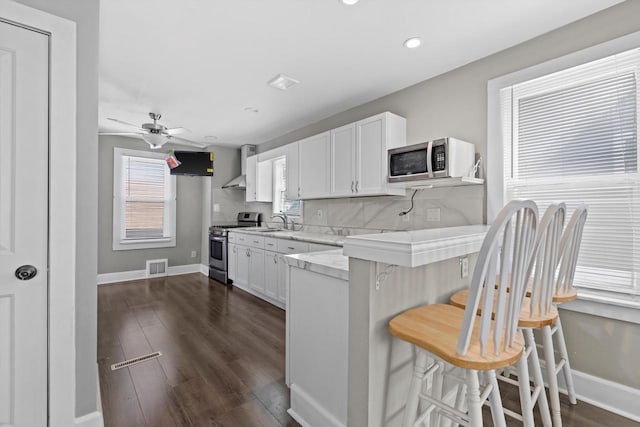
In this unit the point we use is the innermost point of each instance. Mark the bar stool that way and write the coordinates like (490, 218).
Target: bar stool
(444, 335)
(537, 312)
(564, 292)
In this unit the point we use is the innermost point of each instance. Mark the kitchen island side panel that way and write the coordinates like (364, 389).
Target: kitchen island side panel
(380, 366)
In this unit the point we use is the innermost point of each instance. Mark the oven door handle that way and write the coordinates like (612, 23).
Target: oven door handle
(429, 163)
(219, 239)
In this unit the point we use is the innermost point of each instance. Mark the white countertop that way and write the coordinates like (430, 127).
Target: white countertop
(418, 247)
(329, 263)
(320, 238)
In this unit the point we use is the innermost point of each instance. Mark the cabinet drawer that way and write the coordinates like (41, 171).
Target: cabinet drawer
(271, 244)
(255, 241)
(317, 247)
(292, 247)
(242, 239)
(232, 237)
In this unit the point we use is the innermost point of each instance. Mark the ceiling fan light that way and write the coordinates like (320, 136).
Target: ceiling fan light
(155, 140)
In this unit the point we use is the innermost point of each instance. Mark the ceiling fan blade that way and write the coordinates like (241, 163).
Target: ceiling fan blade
(125, 123)
(175, 131)
(120, 133)
(183, 141)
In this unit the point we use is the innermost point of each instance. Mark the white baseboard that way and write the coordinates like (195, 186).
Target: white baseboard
(608, 395)
(204, 269)
(94, 419)
(308, 412)
(125, 276)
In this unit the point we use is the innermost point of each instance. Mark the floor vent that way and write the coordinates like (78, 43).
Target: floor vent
(133, 361)
(157, 267)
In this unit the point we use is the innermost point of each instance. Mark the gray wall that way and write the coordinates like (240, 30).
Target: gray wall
(455, 104)
(188, 215)
(86, 15)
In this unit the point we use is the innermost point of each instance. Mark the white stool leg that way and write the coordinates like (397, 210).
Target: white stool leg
(497, 411)
(473, 399)
(436, 393)
(550, 363)
(419, 369)
(543, 405)
(525, 392)
(566, 369)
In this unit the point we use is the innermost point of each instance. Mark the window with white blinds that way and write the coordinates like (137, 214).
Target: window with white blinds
(143, 201)
(573, 136)
(280, 202)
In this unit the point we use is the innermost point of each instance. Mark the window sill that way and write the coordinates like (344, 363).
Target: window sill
(125, 245)
(625, 308)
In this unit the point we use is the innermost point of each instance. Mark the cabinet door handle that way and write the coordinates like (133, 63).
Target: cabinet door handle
(275, 260)
(356, 186)
(248, 252)
(352, 186)
(289, 247)
(234, 250)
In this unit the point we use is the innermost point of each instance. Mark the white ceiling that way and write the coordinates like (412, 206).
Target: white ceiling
(201, 62)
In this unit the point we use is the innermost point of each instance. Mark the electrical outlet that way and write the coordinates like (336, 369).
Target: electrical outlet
(405, 217)
(216, 207)
(319, 214)
(194, 254)
(464, 267)
(433, 214)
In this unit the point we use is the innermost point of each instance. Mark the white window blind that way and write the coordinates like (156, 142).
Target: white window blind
(280, 201)
(572, 136)
(144, 201)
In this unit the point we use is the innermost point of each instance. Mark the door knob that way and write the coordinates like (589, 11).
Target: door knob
(26, 272)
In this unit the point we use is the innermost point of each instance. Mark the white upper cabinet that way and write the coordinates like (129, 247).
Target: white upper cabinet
(314, 166)
(265, 181)
(374, 136)
(293, 174)
(349, 161)
(259, 180)
(343, 161)
(251, 193)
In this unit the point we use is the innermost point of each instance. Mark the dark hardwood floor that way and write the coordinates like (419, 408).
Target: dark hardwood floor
(222, 360)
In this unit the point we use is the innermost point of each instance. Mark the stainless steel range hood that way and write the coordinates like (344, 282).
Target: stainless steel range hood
(240, 182)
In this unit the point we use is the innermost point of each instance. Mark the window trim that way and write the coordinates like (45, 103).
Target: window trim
(600, 303)
(170, 215)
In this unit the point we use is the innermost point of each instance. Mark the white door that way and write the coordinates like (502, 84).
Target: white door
(23, 226)
(343, 161)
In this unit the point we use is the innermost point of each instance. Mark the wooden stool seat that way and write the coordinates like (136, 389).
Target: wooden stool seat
(436, 328)
(565, 296)
(526, 320)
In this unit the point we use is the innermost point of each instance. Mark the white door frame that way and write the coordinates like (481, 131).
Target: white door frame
(62, 204)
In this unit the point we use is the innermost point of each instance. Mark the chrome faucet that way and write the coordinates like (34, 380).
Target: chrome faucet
(283, 217)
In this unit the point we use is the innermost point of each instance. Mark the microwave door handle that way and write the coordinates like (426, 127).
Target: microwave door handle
(429, 154)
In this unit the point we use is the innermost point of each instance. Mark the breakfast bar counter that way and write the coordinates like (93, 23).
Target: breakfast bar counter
(337, 328)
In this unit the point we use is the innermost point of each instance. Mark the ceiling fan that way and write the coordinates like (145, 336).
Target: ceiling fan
(154, 134)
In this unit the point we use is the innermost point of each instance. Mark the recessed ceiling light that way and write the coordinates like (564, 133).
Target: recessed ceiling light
(413, 42)
(349, 2)
(282, 82)
(251, 109)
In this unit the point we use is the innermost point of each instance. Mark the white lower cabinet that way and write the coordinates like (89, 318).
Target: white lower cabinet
(262, 272)
(271, 274)
(242, 266)
(232, 260)
(256, 269)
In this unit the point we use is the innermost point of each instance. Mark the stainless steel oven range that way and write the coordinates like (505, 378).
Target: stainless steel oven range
(218, 264)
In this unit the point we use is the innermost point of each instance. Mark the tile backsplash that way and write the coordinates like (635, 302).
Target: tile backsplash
(454, 205)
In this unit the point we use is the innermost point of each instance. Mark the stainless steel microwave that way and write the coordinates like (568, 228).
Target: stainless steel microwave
(441, 158)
